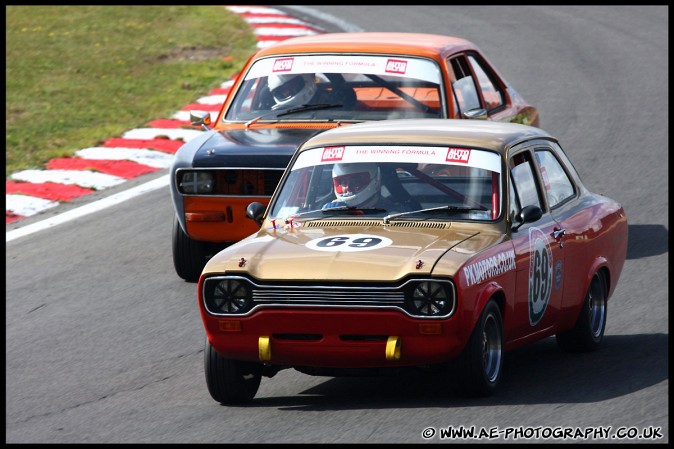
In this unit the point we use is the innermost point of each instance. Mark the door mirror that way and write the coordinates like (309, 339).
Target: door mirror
(476, 114)
(201, 118)
(255, 211)
(527, 215)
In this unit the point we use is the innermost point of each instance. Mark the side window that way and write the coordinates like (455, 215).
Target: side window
(558, 186)
(466, 94)
(463, 86)
(523, 181)
(491, 92)
(514, 202)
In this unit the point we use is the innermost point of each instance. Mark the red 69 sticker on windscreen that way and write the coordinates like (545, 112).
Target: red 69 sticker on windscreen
(349, 243)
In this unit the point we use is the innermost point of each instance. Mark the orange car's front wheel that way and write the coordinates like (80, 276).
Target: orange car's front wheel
(189, 256)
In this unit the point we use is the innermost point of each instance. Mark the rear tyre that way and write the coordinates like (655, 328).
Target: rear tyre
(189, 256)
(588, 332)
(478, 368)
(230, 381)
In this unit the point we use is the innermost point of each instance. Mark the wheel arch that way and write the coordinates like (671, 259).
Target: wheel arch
(183, 159)
(599, 266)
(492, 290)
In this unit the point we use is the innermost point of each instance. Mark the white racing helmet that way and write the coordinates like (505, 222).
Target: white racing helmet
(357, 185)
(291, 89)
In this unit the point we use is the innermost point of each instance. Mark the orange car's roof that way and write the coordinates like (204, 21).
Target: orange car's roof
(418, 44)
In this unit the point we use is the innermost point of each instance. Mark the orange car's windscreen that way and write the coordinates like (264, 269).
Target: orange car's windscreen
(339, 87)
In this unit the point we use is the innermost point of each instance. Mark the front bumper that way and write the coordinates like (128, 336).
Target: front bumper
(333, 338)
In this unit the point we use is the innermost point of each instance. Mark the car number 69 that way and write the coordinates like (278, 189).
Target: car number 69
(349, 243)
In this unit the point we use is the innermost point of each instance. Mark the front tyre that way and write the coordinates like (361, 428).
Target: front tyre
(230, 381)
(189, 256)
(588, 332)
(478, 368)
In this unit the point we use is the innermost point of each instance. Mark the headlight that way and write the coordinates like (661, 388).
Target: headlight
(430, 298)
(193, 182)
(227, 296)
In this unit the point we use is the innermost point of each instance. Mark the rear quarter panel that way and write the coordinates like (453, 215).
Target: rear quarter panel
(596, 238)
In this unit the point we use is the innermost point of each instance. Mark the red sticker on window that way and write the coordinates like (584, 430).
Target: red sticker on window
(460, 155)
(283, 65)
(396, 66)
(332, 154)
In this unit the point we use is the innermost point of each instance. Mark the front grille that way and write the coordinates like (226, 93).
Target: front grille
(271, 180)
(239, 295)
(246, 182)
(329, 296)
(237, 182)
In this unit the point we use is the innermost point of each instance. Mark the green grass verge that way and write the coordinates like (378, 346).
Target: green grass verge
(78, 75)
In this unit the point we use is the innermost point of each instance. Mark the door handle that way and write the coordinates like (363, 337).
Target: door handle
(558, 234)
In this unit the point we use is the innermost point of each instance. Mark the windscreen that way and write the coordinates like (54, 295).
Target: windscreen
(339, 87)
(410, 182)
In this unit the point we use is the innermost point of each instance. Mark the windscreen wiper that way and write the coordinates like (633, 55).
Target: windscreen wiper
(330, 211)
(309, 107)
(352, 209)
(281, 113)
(388, 218)
(258, 118)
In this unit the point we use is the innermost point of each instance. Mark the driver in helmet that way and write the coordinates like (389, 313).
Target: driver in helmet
(357, 185)
(291, 89)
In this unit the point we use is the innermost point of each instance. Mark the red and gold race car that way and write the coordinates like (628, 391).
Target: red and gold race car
(303, 86)
(414, 244)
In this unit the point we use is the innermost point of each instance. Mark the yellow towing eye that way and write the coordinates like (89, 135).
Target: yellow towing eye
(393, 348)
(264, 349)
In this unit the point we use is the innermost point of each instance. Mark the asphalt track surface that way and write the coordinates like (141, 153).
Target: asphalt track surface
(104, 343)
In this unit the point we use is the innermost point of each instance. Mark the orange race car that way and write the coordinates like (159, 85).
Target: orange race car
(295, 89)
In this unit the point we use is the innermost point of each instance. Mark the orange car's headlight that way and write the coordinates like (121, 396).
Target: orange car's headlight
(195, 182)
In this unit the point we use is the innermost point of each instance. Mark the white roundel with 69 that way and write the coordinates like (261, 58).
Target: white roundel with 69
(540, 274)
(349, 243)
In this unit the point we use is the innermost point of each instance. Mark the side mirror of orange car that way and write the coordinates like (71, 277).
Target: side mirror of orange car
(528, 214)
(476, 114)
(255, 211)
(201, 118)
